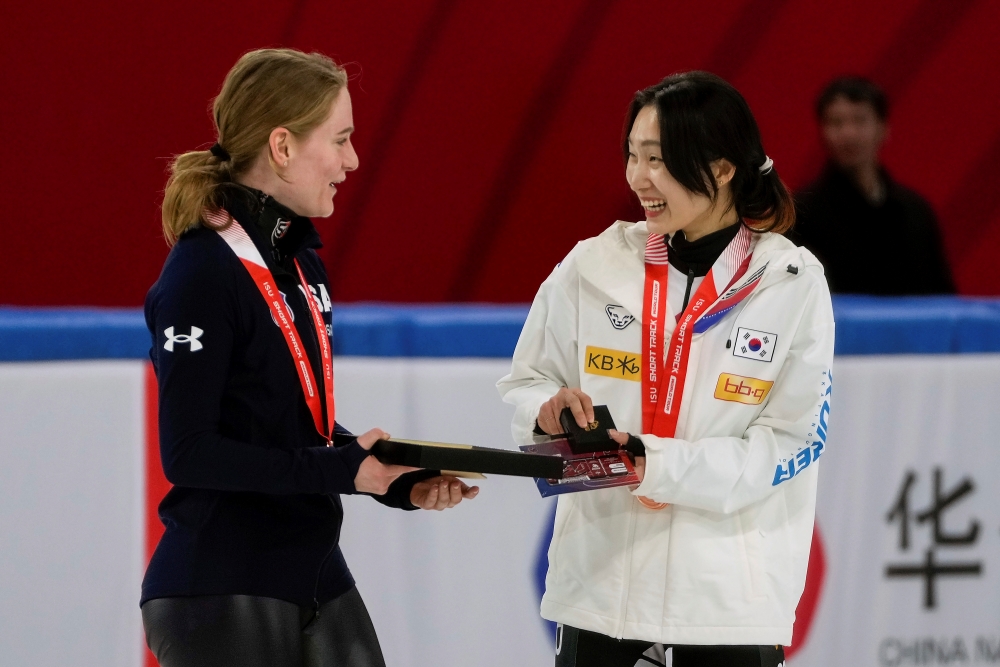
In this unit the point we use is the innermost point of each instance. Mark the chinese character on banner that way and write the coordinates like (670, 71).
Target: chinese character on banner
(931, 568)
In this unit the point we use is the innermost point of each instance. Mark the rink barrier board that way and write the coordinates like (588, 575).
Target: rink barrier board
(865, 326)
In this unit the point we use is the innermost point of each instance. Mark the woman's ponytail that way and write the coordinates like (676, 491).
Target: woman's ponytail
(764, 201)
(266, 89)
(195, 177)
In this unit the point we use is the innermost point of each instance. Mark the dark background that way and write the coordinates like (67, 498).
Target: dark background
(488, 132)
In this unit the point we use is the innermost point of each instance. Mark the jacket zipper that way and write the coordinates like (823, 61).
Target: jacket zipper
(275, 253)
(319, 574)
(627, 578)
(687, 291)
(322, 564)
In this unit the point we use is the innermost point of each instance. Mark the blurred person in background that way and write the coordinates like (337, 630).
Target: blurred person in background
(873, 235)
(724, 334)
(249, 571)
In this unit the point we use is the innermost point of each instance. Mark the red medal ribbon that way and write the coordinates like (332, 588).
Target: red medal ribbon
(663, 378)
(241, 244)
(654, 317)
(326, 356)
(673, 372)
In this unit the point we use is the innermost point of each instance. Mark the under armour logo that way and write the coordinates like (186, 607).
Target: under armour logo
(190, 339)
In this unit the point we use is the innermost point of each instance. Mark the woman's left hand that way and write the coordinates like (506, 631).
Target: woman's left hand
(640, 461)
(640, 467)
(442, 492)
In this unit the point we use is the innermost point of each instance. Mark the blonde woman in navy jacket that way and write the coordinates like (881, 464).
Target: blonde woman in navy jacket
(248, 571)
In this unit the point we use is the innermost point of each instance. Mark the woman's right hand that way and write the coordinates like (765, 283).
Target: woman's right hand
(575, 400)
(374, 476)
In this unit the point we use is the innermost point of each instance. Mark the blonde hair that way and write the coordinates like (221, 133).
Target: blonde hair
(265, 89)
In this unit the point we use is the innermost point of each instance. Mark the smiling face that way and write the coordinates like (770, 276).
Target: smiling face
(316, 162)
(669, 206)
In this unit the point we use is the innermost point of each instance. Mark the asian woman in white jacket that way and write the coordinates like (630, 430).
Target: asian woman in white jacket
(710, 338)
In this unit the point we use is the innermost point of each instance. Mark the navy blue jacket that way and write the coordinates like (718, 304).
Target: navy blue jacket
(255, 508)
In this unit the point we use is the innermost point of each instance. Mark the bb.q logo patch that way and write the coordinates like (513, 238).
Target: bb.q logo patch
(753, 344)
(620, 318)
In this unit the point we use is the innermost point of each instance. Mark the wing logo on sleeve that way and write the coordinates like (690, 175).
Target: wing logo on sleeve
(190, 339)
(753, 344)
(620, 318)
(792, 466)
(612, 363)
(739, 389)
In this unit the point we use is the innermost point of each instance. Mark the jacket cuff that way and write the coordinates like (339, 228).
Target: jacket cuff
(525, 420)
(654, 459)
(398, 495)
(351, 456)
(634, 446)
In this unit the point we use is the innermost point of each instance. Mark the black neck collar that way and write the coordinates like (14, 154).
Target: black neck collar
(699, 256)
(282, 230)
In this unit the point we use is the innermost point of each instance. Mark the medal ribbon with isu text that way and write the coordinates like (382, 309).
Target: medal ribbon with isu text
(654, 313)
(664, 377)
(236, 237)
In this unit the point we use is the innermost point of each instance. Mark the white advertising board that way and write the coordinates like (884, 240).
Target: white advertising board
(458, 587)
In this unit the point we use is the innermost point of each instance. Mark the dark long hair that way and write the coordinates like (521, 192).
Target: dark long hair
(703, 119)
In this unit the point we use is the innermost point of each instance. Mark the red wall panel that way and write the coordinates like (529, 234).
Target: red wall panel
(488, 134)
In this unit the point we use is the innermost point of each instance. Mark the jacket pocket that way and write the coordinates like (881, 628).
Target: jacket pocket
(750, 536)
(564, 510)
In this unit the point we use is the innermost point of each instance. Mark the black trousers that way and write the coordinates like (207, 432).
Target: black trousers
(248, 631)
(582, 648)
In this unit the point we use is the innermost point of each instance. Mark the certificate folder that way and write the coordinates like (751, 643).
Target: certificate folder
(446, 456)
(591, 459)
(586, 471)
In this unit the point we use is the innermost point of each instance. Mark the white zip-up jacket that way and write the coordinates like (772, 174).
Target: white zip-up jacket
(725, 562)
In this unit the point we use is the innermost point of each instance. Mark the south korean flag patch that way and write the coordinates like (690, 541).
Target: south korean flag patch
(753, 344)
